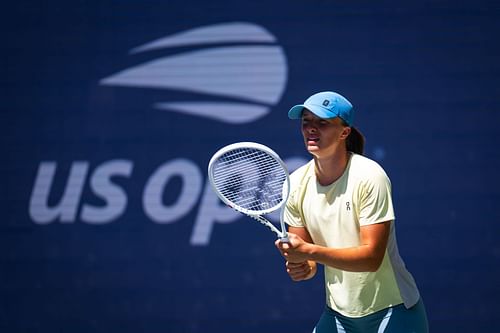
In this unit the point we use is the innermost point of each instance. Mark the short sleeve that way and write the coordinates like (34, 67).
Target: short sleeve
(375, 205)
(292, 213)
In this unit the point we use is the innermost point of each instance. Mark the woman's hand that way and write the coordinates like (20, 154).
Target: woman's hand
(297, 265)
(295, 250)
(301, 271)
(365, 257)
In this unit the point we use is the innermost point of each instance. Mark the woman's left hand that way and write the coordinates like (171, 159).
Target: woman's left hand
(295, 250)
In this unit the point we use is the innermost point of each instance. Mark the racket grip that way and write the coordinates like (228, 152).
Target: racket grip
(284, 238)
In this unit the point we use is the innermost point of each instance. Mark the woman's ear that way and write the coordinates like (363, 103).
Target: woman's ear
(345, 133)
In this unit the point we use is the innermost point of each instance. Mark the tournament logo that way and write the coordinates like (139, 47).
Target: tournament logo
(237, 65)
(234, 72)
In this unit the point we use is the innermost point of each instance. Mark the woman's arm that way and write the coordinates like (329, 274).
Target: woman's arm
(366, 257)
(303, 269)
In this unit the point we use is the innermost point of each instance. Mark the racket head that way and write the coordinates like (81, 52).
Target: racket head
(249, 177)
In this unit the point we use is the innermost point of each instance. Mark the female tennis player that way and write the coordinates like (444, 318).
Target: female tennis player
(340, 214)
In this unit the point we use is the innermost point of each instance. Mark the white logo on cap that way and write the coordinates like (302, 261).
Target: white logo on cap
(250, 78)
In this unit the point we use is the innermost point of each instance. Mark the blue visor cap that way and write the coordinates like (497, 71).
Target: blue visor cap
(326, 105)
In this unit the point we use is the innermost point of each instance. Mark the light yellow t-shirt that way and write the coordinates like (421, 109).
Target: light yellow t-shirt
(333, 216)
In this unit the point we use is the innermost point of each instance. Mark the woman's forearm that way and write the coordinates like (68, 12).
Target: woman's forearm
(355, 259)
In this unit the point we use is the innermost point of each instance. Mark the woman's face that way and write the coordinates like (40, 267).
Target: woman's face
(323, 137)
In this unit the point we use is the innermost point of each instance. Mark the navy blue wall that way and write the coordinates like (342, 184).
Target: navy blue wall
(107, 223)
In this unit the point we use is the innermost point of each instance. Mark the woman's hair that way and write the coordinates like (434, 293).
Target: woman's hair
(355, 142)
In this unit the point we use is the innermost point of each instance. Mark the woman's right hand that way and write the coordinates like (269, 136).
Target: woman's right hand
(301, 271)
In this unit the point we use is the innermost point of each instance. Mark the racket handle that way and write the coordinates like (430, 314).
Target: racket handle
(284, 235)
(284, 238)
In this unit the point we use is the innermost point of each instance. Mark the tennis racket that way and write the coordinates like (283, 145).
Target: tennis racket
(252, 179)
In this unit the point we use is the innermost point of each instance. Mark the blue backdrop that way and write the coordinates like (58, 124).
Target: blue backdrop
(112, 109)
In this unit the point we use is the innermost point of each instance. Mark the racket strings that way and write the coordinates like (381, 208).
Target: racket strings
(250, 178)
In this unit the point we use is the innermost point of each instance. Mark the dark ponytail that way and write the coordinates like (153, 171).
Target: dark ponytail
(355, 142)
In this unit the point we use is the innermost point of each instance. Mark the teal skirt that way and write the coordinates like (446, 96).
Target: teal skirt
(396, 319)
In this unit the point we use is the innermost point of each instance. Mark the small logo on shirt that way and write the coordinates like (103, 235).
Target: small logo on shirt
(348, 205)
